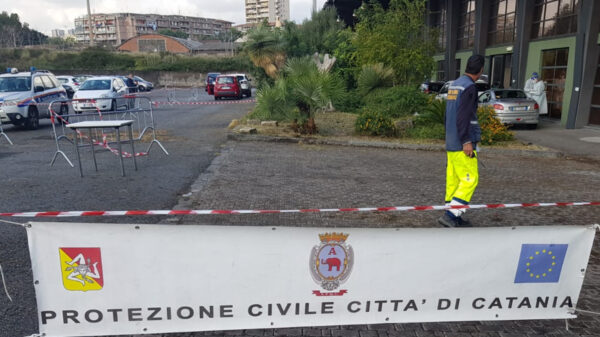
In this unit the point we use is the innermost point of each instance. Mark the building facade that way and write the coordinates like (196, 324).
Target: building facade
(558, 39)
(118, 27)
(156, 43)
(272, 11)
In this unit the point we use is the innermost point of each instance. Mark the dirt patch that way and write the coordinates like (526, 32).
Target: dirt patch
(339, 127)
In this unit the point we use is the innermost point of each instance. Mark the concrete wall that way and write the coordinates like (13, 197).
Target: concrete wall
(159, 78)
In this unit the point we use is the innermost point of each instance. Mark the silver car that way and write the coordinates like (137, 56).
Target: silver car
(512, 106)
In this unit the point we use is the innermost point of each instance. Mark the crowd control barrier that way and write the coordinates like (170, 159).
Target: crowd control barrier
(136, 108)
(2, 134)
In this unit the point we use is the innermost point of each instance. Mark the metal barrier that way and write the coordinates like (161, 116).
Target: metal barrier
(130, 107)
(4, 134)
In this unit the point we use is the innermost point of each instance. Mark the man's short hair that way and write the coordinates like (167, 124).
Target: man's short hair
(475, 64)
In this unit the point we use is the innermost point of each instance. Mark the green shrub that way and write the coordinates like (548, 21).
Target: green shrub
(397, 101)
(374, 124)
(273, 103)
(349, 101)
(434, 113)
(431, 131)
(374, 76)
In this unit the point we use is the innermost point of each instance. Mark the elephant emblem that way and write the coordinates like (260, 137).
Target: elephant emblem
(332, 262)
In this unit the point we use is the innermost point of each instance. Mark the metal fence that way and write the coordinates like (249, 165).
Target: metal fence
(2, 134)
(139, 109)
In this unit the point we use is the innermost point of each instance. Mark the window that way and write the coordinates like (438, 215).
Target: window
(595, 110)
(438, 21)
(554, 73)
(441, 73)
(48, 84)
(466, 25)
(554, 17)
(502, 28)
(458, 72)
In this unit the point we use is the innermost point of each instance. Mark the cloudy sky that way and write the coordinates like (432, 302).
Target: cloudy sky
(45, 15)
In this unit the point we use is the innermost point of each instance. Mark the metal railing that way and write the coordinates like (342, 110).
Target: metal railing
(130, 107)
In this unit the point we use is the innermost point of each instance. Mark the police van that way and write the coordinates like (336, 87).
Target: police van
(24, 97)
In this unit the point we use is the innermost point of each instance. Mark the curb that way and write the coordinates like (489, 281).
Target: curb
(387, 145)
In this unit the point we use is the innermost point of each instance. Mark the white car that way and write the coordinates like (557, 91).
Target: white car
(99, 93)
(245, 86)
(69, 81)
(482, 86)
(23, 94)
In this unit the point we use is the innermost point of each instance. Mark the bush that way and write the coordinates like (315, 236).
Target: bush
(431, 131)
(350, 102)
(492, 130)
(375, 124)
(434, 113)
(373, 77)
(396, 102)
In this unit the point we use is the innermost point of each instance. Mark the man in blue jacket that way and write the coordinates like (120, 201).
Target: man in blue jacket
(462, 135)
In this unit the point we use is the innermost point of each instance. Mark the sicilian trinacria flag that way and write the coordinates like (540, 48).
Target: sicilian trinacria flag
(81, 268)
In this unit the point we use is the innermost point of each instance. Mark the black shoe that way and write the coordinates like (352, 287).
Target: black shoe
(463, 222)
(447, 221)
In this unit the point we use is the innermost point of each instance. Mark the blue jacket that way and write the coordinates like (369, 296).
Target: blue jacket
(461, 114)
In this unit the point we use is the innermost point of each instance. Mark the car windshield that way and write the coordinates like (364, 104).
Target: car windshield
(95, 85)
(138, 79)
(12, 84)
(63, 80)
(502, 94)
(240, 78)
(435, 86)
(225, 80)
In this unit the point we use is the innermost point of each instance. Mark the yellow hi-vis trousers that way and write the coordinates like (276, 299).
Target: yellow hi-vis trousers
(462, 177)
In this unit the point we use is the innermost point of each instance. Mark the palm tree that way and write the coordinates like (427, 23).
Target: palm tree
(265, 46)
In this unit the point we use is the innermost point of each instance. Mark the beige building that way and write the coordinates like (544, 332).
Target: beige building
(119, 27)
(271, 10)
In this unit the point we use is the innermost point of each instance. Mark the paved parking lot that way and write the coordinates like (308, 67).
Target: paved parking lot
(258, 175)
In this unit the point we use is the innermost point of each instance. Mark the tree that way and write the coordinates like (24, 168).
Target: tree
(14, 34)
(397, 38)
(265, 47)
(168, 32)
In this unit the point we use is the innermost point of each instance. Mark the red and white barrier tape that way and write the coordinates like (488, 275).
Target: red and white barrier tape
(156, 103)
(316, 210)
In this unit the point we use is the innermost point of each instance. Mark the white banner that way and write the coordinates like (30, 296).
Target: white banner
(107, 279)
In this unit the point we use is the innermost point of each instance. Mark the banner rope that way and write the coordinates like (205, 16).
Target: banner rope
(321, 210)
(4, 284)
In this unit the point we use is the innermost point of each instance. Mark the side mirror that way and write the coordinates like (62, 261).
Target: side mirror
(38, 88)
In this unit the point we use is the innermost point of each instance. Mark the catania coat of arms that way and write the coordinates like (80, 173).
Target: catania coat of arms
(331, 262)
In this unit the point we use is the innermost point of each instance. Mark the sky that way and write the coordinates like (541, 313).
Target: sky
(45, 15)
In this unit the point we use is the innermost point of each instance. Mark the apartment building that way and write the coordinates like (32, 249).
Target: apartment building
(117, 28)
(558, 39)
(273, 11)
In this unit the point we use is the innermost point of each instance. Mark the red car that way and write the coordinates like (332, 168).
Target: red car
(227, 86)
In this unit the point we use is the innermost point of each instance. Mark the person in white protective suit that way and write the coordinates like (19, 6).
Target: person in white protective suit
(538, 93)
(529, 84)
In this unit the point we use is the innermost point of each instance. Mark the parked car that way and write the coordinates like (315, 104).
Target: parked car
(245, 84)
(481, 87)
(432, 87)
(227, 86)
(99, 93)
(81, 78)
(210, 82)
(70, 81)
(21, 92)
(143, 85)
(512, 106)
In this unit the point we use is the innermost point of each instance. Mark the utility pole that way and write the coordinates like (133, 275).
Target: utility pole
(90, 23)
(314, 6)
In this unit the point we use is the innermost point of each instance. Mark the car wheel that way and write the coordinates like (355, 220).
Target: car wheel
(216, 98)
(63, 112)
(141, 88)
(249, 94)
(532, 126)
(33, 119)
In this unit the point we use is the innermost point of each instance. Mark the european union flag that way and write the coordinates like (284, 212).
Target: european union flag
(540, 263)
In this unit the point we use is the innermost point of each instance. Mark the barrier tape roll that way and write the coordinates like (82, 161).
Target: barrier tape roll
(59, 214)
